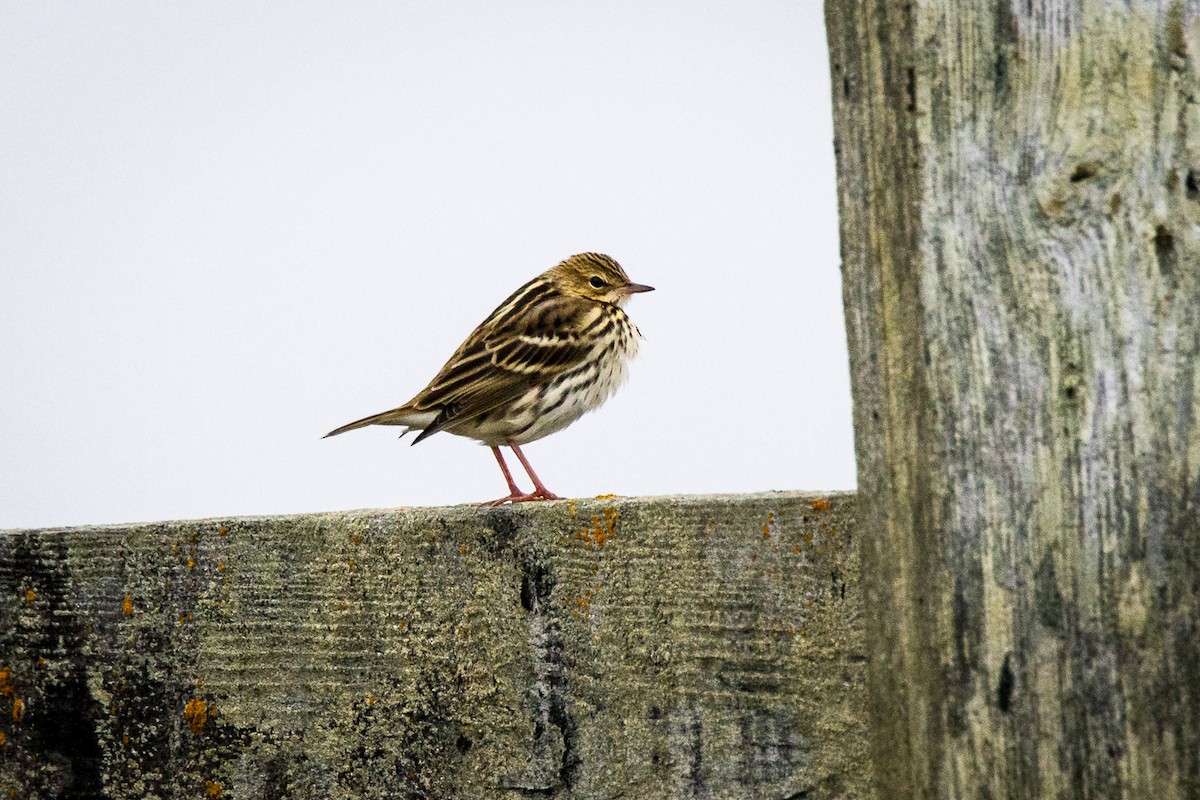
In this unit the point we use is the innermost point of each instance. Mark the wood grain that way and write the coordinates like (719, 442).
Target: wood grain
(1019, 187)
(665, 647)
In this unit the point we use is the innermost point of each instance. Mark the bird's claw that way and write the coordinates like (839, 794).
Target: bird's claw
(516, 497)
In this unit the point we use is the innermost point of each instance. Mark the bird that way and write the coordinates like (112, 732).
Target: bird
(556, 349)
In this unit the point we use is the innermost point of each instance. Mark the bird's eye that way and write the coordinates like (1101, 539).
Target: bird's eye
(597, 282)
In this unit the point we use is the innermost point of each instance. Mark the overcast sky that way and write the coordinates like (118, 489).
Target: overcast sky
(230, 227)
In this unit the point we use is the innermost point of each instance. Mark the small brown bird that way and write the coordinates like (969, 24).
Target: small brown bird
(553, 351)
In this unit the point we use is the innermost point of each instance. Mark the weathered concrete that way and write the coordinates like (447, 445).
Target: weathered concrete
(640, 648)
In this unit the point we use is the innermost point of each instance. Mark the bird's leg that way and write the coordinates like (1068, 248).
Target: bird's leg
(512, 486)
(540, 492)
(515, 495)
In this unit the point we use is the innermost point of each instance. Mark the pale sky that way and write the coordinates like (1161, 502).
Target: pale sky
(230, 227)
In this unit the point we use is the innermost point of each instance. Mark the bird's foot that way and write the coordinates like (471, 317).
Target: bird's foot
(518, 497)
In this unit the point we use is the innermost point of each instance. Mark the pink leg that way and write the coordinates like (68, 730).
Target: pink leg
(515, 495)
(512, 486)
(540, 491)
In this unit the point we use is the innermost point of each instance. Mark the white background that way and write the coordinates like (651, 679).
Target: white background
(227, 228)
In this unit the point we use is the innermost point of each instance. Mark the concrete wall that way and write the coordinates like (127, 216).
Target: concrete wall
(679, 647)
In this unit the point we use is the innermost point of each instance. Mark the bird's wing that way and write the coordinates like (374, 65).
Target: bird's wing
(548, 338)
(508, 356)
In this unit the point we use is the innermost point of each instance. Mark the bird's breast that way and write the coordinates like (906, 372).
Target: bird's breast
(567, 397)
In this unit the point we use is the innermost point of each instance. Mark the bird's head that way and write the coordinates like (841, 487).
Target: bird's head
(596, 277)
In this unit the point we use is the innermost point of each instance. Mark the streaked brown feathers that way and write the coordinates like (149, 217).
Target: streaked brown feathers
(552, 351)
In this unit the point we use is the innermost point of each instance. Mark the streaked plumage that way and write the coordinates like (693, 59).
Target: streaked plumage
(554, 350)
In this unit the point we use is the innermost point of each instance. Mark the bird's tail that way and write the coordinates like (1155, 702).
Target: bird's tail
(397, 416)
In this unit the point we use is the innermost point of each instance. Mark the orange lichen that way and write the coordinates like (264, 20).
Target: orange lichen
(220, 566)
(821, 505)
(127, 606)
(213, 789)
(191, 563)
(370, 699)
(125, 738)
(571, 506)
(6, 684)
(796, 548)
(598, 534)
(605, 496)
(18, 713)
(3, 738)
(580, 605)
(224, 529)
(30, 595)
(462, 548)
(196, 714)
(356, 539)
(594, 535)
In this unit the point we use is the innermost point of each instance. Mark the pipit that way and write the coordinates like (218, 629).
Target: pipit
(550, 353)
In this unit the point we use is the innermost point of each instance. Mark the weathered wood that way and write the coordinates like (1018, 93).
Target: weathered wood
(639, 648)
(1019, 185)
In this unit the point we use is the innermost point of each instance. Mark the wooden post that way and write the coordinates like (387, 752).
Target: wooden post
(673, 648)
(1019, 185)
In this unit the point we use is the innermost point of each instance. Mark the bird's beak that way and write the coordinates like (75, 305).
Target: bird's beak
(634, 288)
